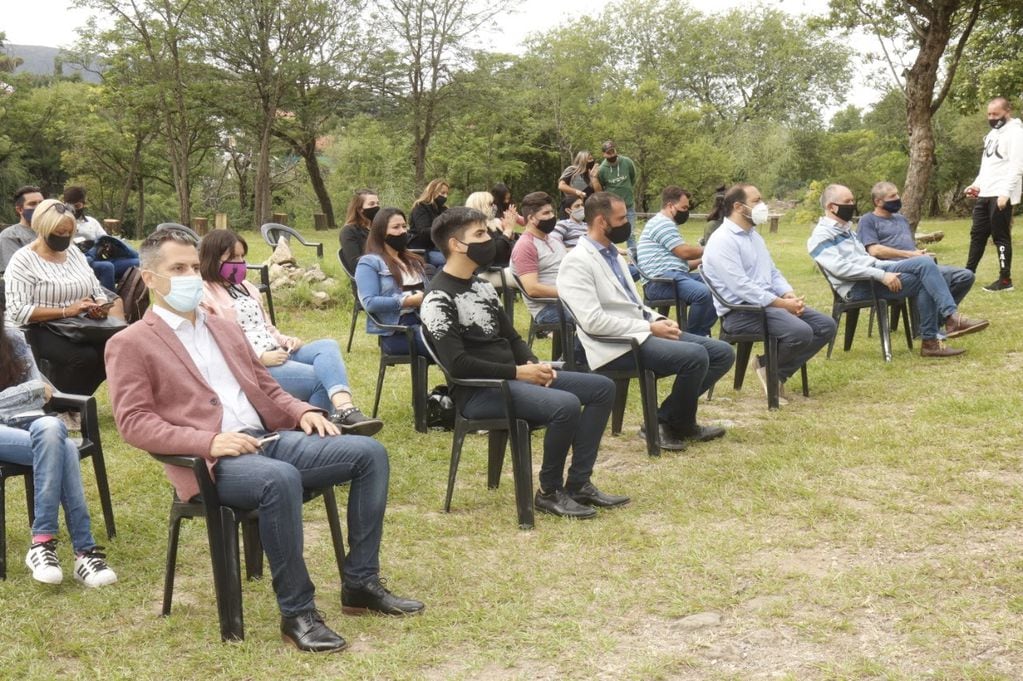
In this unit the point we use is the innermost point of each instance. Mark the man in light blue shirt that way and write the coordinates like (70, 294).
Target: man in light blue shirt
(662, 252)
(737, 264)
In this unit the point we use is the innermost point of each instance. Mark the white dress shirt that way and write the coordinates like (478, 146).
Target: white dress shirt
(239, 414)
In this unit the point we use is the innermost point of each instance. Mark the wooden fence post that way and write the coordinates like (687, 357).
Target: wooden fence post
(220, 221)
(201, 225)
(320, 222)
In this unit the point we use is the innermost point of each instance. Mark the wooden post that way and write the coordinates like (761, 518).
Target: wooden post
(220, 221)
(774, 223)
(280, 218)
(112, 226)
(320, 221)
(201, 225)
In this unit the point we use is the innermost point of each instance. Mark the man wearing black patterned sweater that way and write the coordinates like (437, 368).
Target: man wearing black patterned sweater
(474, 338)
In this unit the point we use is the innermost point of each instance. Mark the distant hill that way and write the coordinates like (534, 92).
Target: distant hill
(43, 61)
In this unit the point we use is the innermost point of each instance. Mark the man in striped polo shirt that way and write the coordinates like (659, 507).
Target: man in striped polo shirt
(662, 252)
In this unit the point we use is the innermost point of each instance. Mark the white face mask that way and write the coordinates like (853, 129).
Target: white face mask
(759, 213)
(578, 214)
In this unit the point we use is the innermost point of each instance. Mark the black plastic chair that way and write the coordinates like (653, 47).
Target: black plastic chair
(90, 447)
(418, 365)
(264, 287)
(174, 225)
(664, 305)
(222, 523)
(356, 303)
(647, 387)
(743, 343)
(500, 432)
(507, 291)
(273, 231)
(563, 330)
(879, 306)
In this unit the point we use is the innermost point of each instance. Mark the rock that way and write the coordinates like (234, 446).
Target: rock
(313, 274)
(698, 621)
(722, 651)
(929, 238)
(329, 282)
(319, 298)
(282, 253)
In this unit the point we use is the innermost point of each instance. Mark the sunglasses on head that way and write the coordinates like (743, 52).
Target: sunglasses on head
(61, 208)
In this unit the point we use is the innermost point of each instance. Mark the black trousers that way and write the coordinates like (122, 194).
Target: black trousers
(991, 222)
(73, 367)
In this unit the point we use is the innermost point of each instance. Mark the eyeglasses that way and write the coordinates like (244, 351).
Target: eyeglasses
(61, 208)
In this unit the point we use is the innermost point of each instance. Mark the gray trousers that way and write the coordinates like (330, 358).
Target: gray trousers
(799, 338)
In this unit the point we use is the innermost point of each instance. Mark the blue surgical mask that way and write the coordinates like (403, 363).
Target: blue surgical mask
(185, 293)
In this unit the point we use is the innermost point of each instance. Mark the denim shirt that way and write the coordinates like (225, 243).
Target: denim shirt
(28, 392)
(379, 294)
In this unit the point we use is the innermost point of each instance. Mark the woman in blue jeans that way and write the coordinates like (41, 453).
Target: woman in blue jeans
(313, 372)
(392, 282)
(29, 437)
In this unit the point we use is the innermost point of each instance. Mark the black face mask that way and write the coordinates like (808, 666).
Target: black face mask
(79, 213)
(481, 252)
(893, 206)
(590, 164)
(845, 212)
(621, 233)
(681, 216)
(398, 242)
(547, 226)
(58, 243)
(998, 123)
(370, 213)
(440, 201)
(612, 159)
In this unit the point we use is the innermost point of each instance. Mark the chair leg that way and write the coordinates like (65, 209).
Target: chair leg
(907, 323)
(648, 395)
(420, 376)
(522, 469)
(3, 528)
(497, 444)
(556, 351)
(224, 571)
(742, 355)
(456, 453)
(836, 314)
(621, 398)
(336, 537)
(806, 382)
(100, 468)
(531, 334)
(235, 626)
(173, 534)
(772, 372)
(883, 331)
(851, 317)
(380, 384)
(30, 498)
(351, 330)
(253, 549)
(870, 324)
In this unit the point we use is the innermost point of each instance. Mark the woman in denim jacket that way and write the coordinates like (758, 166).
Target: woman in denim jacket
(28, 437)
(391, 281)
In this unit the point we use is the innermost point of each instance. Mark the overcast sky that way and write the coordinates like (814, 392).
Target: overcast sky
(53, 23)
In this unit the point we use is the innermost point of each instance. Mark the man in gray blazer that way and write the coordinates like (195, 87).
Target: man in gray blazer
(594, 282)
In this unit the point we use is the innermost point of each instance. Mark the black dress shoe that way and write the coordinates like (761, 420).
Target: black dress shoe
(666, 438)
(589, 495)
(702, 433)
(351, 420)
(559, 503)
(306, 631)
(374, 597)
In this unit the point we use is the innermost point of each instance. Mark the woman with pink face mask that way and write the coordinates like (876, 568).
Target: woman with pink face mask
(312, 372)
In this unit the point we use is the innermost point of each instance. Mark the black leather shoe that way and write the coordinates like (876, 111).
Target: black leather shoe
(306, 631)
(702, 433)
(559, 503)
(666, 438)
(351, 420)
(374, 597)
(589, 495)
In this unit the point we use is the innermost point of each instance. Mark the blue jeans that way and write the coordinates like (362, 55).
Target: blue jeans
(57, 476)
(694, 292)
(697, 362)
(549, 315)
(557, 407)
(397, 344)
(435, 258)
(314, 373)
(959, 280)
(108, 272)
(273, 480)
(920, 277)
(799, 338)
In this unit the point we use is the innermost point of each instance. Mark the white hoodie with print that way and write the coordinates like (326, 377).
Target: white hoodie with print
(1001, 163)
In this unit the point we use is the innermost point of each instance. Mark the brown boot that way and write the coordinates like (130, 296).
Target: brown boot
(958, 325)
(937, 348)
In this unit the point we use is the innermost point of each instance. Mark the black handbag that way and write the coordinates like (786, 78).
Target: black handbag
(82, 329)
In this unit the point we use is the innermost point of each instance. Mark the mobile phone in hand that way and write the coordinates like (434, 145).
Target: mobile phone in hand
(266, 439)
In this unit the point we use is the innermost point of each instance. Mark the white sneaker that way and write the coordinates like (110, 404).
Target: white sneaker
(91, 569)
(42, 561)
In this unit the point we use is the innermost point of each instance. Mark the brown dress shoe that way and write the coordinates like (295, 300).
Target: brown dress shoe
(957, 325)
(937, 348)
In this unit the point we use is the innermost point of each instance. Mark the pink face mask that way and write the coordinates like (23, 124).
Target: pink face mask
(234, 272)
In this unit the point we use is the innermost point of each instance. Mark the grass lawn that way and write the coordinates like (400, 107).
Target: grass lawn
(871, 531)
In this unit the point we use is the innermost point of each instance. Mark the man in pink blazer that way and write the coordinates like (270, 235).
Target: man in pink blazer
(182, 382)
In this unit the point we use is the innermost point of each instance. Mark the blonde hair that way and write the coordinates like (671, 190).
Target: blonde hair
(484, 203)
(432, 191)
(46, 219)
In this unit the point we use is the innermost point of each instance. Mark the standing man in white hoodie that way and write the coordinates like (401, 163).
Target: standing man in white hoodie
(997, 190)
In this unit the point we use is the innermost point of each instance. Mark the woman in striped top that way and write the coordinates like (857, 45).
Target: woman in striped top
(46, 281)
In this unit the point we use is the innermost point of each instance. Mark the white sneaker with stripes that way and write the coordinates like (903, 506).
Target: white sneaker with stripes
(42, 561)
(91, 568)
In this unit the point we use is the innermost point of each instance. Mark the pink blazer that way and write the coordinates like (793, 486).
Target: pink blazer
(163, 405)
(216, 300)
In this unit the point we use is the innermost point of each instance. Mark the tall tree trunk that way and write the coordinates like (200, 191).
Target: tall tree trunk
(419, 158)
(129, 184)
(261, 205)
(140, 219)
(921, 160)
(312, 166)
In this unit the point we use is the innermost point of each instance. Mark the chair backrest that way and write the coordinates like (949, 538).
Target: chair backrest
(174, 225)
(134, 293)
(273, 231)
(264, 287)
(341, 259)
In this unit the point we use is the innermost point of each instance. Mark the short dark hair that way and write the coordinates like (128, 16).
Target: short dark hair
(673, 194)
(19, 196)
(453, 223)
(534, 203)
(74, 194)
(735, 194)
(600, 203)
(149, 250)
(211, 247)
